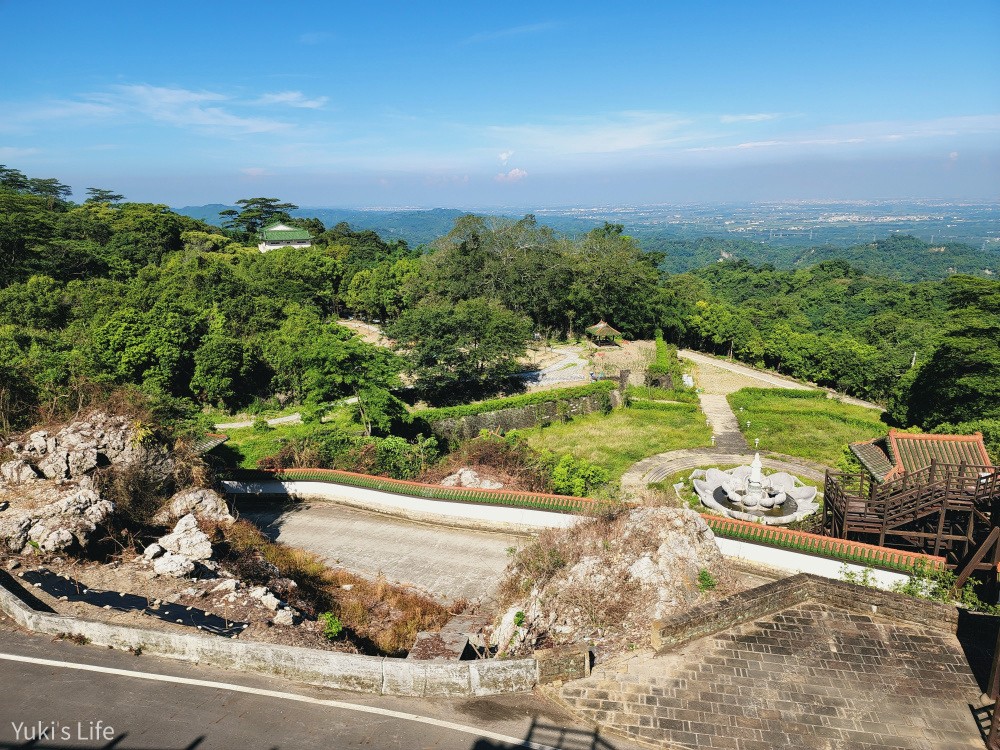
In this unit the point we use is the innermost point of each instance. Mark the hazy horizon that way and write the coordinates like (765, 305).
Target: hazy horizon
(457, 105)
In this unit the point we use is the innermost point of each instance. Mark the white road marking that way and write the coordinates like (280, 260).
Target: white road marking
(281, 695)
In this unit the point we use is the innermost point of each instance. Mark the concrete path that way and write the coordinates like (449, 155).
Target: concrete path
(762, 378)
(295, 418)
(570, 368)
(446, 562)
(722, 420)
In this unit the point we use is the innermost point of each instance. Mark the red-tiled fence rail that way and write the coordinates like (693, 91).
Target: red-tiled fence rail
(728, 528)
(824, 546)
(531, 500)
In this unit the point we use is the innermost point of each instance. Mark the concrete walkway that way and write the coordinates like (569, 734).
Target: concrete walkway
(295, 418)
(722, 420)
(768, 379)
(446, 562)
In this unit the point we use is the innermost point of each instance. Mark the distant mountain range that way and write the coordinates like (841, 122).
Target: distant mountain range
(909, 241)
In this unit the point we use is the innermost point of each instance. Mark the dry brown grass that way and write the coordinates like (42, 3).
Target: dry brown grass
(380, 616)
(512, 464)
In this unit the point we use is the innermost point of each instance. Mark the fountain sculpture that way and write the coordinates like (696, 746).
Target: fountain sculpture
(748, 494)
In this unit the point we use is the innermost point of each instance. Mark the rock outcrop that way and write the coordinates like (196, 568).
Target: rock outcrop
(80, 447)
(614, 578)
(177, 553)
(66, 517)
(470, 478)
(202, 503)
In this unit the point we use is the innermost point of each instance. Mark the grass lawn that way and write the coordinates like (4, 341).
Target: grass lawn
(617, 440)
(246, 446)
(805, 424)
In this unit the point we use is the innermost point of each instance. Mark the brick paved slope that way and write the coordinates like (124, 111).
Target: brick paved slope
(811, 676)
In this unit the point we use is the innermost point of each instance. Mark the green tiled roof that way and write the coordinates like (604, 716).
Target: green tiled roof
(873, 457)
(903, 453)
(271, 234)
(915, 452)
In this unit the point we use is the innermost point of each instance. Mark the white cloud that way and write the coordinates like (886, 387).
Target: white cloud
(869, 133)
(504, 157)
(291, 99)
(514, 175)
(624, 131)
(122, 104)
(757, 117)
(13, 152)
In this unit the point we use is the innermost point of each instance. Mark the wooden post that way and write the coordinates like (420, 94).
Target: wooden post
(993, 691)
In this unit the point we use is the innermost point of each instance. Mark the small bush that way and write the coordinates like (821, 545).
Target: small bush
(706, 581)
(261, 426)
(332, 626)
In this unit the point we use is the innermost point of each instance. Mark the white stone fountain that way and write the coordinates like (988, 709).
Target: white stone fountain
(748, 494)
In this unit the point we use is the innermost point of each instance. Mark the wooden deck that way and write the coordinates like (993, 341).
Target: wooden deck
(944, 509)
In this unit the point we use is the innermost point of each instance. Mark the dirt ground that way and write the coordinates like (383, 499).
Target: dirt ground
(131, 577)
(369, 333)
(715, 380)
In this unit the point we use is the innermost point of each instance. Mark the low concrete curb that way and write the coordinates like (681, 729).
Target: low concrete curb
(367, 674)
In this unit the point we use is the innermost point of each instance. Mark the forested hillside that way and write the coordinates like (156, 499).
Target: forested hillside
(898, 256)
(111, 294)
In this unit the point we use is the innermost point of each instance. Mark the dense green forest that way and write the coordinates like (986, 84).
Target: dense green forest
(109, 294)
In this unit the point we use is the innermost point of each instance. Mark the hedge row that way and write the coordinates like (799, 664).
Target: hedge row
(831, 547)
(530, 500)
(514, 402)
(661, 406)
(751, 393)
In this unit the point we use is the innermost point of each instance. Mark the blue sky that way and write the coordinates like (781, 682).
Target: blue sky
(515, 104)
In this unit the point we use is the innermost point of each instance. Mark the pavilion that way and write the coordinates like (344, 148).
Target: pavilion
(282, 235)
(604, 333)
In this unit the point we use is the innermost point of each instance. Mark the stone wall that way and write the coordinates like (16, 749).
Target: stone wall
(368, 674)
(788, 592)
(523, 417)
(562, 663)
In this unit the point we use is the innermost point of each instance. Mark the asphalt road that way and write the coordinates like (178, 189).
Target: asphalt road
(444, 561)
(148, 703)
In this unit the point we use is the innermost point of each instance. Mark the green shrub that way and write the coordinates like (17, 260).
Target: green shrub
(706, 581)
(260, 425)
(576, 476)
(332, 626)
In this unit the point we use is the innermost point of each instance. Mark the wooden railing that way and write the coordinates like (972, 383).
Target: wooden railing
(907, 496)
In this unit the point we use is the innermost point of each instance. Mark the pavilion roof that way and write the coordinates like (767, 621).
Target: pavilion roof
(603, 329)
(901, 453)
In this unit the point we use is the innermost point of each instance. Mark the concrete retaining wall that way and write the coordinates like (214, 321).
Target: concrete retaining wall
(799, 562)
(466, 514)
(368, 674)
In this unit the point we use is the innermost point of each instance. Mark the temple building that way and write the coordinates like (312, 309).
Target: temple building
(282, 235)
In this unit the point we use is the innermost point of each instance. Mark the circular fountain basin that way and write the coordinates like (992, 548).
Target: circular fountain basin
(717, 490)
